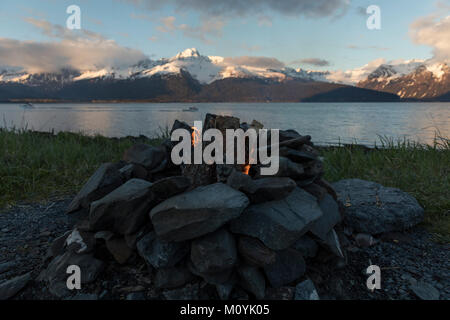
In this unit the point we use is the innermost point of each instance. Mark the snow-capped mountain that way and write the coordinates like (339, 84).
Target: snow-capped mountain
(421, 80)
(205, 69)
(190, 76)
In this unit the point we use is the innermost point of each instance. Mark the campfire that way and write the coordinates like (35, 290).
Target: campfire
(224, 229)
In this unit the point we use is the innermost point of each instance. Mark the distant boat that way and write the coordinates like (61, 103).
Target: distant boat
(190, 109)
(28, 105)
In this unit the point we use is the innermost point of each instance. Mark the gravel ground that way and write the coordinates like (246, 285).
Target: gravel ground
(405, 259)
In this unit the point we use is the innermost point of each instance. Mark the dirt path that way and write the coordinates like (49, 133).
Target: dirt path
(27, 230)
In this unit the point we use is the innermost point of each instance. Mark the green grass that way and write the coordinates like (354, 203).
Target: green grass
(36, 166)
(421, 170)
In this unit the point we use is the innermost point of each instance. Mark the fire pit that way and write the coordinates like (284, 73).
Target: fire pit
(203, 226)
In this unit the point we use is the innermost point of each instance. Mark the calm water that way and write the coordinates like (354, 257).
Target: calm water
(325, 122)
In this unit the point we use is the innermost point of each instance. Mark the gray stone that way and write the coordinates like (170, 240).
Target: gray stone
(124, 210)
(278, 224)
(189, 292)
(255, 252)
(119, 249)
(58, 245)
(10, 288)
(306, 291)
(168, 187)
(288, 267)
(159, 253)
(316, 190)
(261, 190)
(238, 180)
(306, 246)
(252, 280)
(269, 189)
(373, 209)
(56, 272)
(288, 168)
(127, 171)
(214, 252)
(154, 159)
(297, 155)
(80, 241)
(170, 278)
(197, 212)
(364, 240)
(103, 181)
(332, 243)
(7, 266)
(425, 291)
(329, 218)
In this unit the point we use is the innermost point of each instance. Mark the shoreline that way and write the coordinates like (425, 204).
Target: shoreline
(37, 166)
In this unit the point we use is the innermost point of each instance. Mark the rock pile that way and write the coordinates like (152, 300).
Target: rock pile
(228, 233)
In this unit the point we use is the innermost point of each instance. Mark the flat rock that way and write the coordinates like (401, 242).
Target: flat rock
(154, 159)
(297, 155)
(197, 212)
(124, 210)
(425, 291)
(290, 169)
(159, 253)
(214, 252)
(288, 267)
(255, 252)
(330, 217)
(56, 273)
(372, 208)
(269, 189)
(252, 280)
(168, 187)
(278, 224)
(103, 181)
(306, 291)
(10, 288)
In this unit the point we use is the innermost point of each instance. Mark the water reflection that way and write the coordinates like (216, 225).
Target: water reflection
(326, 122)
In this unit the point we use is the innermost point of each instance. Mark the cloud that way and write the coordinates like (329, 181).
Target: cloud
(256, 62)
(356, 47)
(83, 50)
(355, 75)
(206, 31)
(433, 31)
(168, 24)
(312, 62)
(316, 8)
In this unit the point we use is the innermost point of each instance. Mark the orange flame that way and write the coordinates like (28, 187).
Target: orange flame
(246, 169)
(195, 136)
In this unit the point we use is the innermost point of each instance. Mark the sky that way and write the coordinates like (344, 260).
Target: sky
(315, 35)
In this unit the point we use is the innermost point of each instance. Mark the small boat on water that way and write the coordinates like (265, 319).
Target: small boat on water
(191, 109)
(28, 105)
